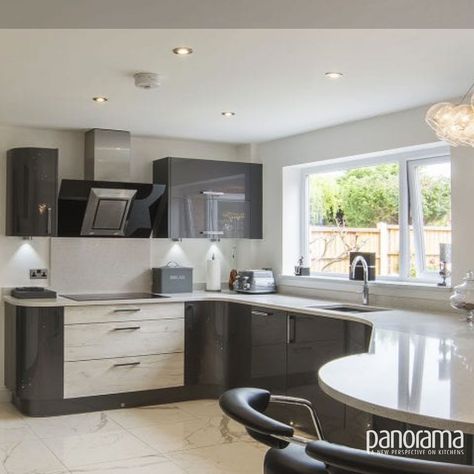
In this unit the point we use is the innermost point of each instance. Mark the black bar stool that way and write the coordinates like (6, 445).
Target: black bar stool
(292, 454)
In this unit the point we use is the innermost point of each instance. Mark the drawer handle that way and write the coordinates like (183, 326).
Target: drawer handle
(261, 313)
(127, 310)
(212, 193)
(127, 364)
(212, 232)
(128, 328)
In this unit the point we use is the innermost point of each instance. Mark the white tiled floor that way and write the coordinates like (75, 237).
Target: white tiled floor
(180, 438)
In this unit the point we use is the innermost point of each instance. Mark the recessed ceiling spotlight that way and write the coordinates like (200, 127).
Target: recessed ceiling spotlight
(182, 51)
(100, 99)
(333, 75)
(228, 114)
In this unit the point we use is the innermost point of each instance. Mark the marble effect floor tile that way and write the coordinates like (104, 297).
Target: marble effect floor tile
(29, 456)
(142, 465)
(71, 425)
(180, 438)
(202, 408)
(191, 434)
(234, 458)
(10, 416)
(75, 451)
(131, 418)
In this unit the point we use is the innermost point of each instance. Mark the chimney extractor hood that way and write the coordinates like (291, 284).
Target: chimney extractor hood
(107, 155)
(106, 204)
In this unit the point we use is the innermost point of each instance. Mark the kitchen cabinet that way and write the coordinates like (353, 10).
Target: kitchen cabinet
(207, 356)
(209, 199)
(283, 352)
(258, 339)
(32, 186)
(73, 359)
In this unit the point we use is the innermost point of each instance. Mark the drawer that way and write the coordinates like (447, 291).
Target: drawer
(123, 339)
(122, 312)
(127, 374)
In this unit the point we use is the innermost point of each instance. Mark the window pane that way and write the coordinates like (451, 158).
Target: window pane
(354, 210)
(433, 185)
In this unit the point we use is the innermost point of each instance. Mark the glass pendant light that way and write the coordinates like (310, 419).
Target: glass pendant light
(453, 123)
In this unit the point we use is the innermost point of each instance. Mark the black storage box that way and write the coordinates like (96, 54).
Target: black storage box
(172, 279)
(359, 271)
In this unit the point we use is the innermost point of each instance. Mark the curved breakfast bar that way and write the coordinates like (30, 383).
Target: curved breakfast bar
(418, 369)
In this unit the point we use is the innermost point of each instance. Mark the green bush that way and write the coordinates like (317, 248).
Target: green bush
(363, 197)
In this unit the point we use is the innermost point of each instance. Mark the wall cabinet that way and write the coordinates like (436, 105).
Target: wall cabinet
(32, 186)
(209, 199)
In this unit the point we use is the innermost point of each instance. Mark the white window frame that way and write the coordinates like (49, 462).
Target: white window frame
(407, 159)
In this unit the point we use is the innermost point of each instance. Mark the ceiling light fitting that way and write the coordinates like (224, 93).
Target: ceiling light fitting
(333, 75)
(183, 51)
(228, 114)
(100, 100)
(453, 123)
(146, 80)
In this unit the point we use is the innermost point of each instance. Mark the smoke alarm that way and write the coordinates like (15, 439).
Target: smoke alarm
(146, 80)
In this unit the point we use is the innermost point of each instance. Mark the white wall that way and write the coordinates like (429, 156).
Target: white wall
(397, 130)
(17, 255)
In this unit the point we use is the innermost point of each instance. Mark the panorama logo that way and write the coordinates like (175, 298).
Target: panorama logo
(420, 442)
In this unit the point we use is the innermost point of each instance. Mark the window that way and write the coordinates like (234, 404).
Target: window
(395, 205)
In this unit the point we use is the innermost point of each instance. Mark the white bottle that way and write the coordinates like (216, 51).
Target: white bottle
(213, 275)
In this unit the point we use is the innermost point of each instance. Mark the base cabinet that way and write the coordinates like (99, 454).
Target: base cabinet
(252, 346)
(81, 358)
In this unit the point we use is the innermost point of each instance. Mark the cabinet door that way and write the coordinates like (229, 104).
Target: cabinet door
(258, 339)
(32, 175)
(206, 346)
(313, 341)
(209, 199)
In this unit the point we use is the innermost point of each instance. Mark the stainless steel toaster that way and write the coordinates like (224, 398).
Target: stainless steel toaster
(255, 281)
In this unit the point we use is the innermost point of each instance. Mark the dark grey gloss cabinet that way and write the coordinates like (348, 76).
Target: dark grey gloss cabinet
(209, 199)
(32, 186)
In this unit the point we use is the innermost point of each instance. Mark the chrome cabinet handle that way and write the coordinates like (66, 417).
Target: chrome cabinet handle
(260, 313)
(49, 229)
(127, 364)
(290, 329)
(212, 232)
(212, 193)
(128, 328)
(127, 310)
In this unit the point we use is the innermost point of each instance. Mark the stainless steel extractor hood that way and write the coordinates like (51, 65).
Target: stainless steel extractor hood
(107, 155)
(106, 203)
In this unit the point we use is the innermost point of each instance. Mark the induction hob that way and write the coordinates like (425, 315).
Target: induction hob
(112, 296)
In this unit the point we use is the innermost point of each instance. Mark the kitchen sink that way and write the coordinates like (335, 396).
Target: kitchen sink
(348, 308)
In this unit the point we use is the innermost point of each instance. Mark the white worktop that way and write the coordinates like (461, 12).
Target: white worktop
(419, 368)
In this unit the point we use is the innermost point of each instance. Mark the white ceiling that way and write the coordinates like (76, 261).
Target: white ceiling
(273, 79)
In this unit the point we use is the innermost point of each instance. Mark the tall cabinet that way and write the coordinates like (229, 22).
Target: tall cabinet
(209, 199)
(32, 187)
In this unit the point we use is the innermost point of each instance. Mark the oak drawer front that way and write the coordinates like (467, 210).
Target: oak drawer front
(123, 339)
(126, 374)
(122, 312)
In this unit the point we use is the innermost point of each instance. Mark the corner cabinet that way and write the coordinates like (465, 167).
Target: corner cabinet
(209, 199)
(32, 187)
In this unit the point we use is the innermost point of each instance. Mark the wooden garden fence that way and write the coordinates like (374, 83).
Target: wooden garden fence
(328, 246)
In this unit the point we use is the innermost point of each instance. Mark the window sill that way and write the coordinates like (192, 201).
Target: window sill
(377, 287)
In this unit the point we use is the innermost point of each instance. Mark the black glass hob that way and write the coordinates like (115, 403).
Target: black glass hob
(112, 296)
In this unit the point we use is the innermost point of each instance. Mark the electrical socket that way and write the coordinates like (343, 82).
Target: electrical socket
(38, 273)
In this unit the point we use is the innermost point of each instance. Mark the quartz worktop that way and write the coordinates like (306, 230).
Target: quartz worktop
(419, 368)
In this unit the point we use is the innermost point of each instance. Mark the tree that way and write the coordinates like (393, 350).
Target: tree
(363, 197)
